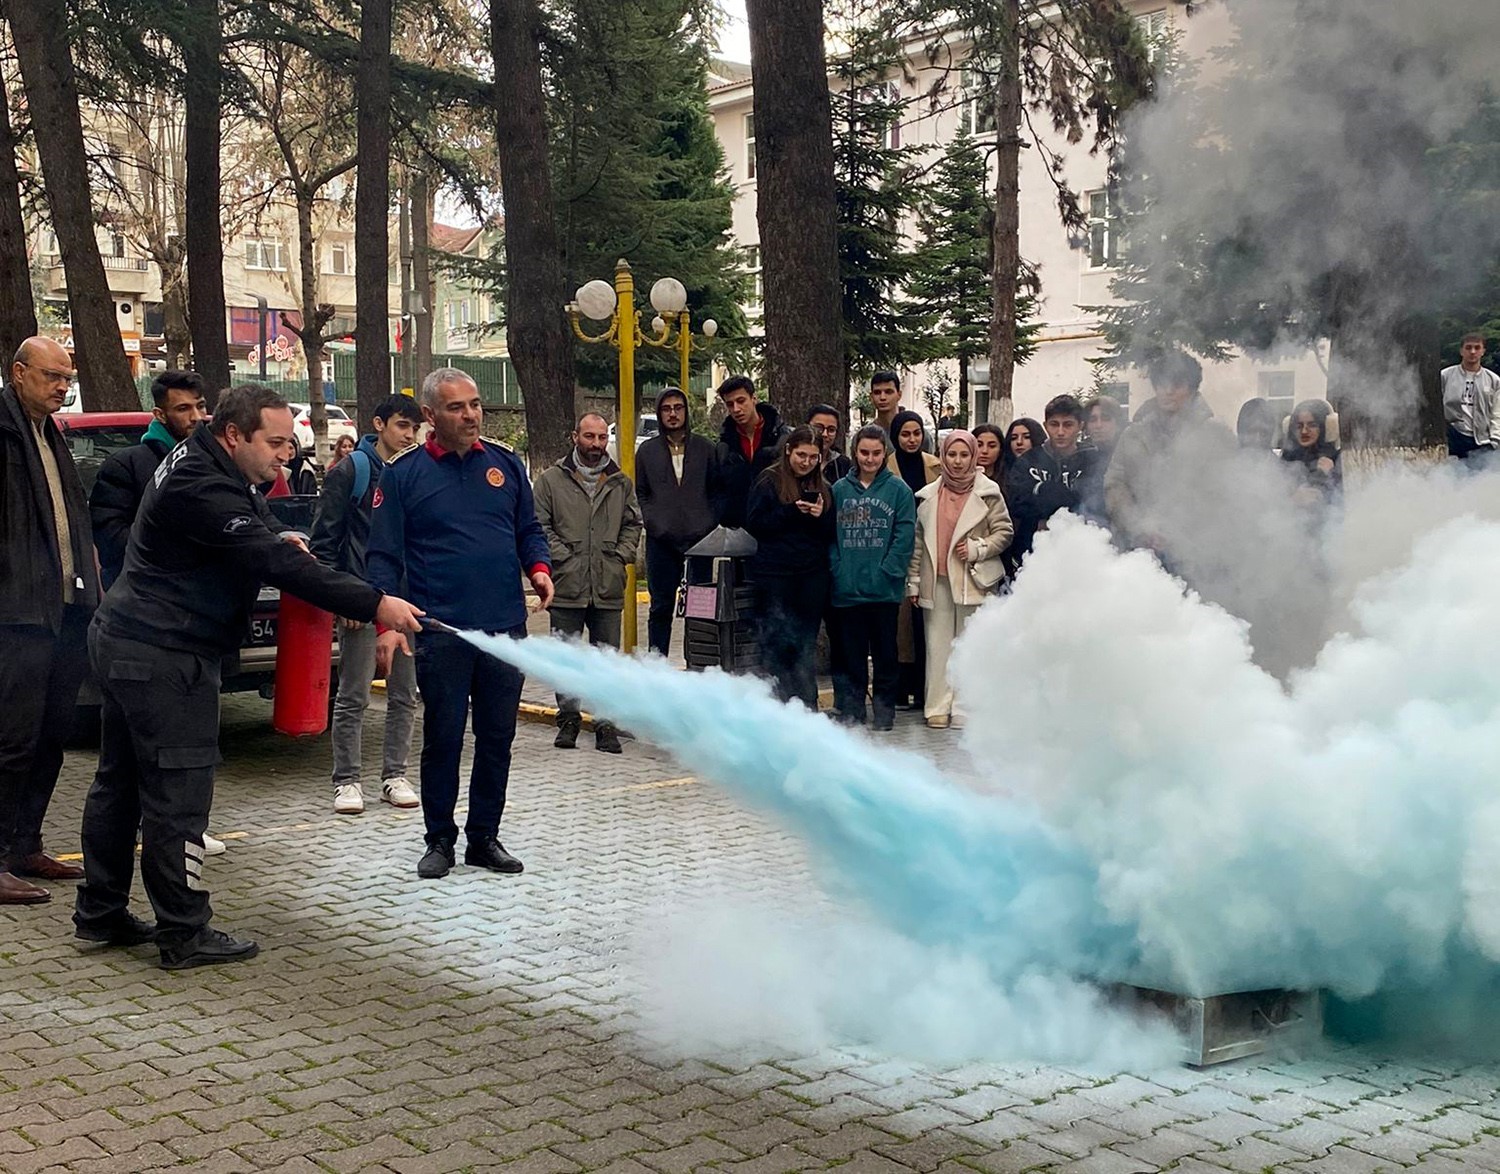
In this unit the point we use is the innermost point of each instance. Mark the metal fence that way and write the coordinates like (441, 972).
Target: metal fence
(494, 376)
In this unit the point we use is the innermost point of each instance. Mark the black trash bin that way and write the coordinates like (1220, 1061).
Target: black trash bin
(718, 604)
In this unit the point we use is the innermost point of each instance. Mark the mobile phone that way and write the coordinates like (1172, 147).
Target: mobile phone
(810, 495)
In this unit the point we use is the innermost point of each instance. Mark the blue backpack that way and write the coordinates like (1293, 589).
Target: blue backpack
(362, 472)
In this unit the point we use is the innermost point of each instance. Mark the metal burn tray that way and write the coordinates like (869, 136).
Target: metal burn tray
(1220, 1028)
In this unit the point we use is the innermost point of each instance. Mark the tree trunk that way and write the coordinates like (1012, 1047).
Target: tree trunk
(421, 275)
(17, 306)
(1005, 254)
(372, 209)
(1386, 388)
(176, 335)
(537, 331)
(963, 392)
(795, 204)
(202, 46)
(46, 60)
(314, 320)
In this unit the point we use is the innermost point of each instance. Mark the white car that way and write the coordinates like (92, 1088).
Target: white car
(339, 424)
(649, 427)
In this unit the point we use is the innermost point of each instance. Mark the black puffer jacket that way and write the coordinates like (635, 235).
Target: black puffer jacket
(736, 474)
(30, 568)
(116, 498)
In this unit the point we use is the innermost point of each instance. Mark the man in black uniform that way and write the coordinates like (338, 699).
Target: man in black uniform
(201, 547)
(123, 477)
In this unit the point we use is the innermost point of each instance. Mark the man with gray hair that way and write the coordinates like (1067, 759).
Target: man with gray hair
(588, 510)
(454, 520)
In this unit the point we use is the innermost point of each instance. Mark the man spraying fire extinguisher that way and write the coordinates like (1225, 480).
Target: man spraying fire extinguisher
(202, 546)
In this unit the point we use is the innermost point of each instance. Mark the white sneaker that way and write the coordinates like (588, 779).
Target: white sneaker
(213, 847)
(348, 799)
(398, 793)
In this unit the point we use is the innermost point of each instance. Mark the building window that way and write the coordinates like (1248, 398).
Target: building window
(749, 146)
(976, 112)
(1279, 389)
(752, 263)
(116, 244)
(1157, 31)
(1105, 245)
(1119, 392)
(264, 255)
(338, 259)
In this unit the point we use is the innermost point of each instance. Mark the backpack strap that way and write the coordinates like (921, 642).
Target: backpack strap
(361, 475)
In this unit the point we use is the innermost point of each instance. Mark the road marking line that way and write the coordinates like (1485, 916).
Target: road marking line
(660, 784)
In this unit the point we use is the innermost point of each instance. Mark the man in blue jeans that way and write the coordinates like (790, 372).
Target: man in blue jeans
(453, 519)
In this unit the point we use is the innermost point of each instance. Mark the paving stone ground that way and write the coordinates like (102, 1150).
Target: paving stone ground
(474, 1023)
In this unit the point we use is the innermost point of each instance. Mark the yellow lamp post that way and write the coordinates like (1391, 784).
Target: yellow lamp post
(615, 304)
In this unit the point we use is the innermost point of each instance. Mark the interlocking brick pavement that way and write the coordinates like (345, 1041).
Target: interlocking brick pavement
(475, 1023)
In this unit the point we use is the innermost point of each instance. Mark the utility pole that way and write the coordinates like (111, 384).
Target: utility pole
(408, 319)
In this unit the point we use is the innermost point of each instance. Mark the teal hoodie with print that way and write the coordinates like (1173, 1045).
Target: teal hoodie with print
(876, 528)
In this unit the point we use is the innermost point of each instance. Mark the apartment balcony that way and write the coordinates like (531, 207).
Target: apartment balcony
(127, 276)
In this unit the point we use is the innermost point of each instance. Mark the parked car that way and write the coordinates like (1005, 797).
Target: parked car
(91, 437)
(339, 424)
(645, 430)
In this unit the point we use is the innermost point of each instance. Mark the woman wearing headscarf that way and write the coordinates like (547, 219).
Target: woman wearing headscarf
(790, 514)
(918, 469)
(963, 528)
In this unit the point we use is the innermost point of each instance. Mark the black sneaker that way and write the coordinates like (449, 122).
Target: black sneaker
(607, 740)
(490, 853)
(567, 736)
(207, 947)
(124, 930)
(438, 860)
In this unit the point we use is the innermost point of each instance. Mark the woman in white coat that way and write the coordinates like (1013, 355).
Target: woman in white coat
(963, 528)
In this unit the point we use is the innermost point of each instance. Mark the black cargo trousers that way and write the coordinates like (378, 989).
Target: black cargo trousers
(157, 753)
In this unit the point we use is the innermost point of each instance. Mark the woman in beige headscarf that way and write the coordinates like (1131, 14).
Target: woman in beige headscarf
(963, 528)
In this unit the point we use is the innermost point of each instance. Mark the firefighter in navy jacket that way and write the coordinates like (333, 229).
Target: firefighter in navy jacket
(454, 520)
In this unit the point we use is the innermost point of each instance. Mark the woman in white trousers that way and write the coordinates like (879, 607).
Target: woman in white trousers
(963, 528)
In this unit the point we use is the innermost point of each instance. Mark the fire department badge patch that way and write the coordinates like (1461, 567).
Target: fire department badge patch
(495, 477)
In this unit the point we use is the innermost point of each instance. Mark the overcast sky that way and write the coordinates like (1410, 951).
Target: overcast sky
(734, 40)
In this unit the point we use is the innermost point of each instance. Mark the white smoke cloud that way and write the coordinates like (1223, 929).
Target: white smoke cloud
(1298, 181)
(1154, 809)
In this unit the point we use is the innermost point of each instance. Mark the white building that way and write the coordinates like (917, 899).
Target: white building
(1074, 273)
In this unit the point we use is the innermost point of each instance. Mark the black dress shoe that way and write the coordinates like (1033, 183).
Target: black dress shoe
(567, 736)
(607, 740)
(438, 860)
(125, 930)
(207, 947)
(490, 853)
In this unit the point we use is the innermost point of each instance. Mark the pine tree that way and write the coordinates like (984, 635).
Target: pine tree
(1075, 65)
(875, 190)
(639, 173)
(950, 280)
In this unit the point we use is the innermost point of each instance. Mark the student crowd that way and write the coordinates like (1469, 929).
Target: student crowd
(890, 546)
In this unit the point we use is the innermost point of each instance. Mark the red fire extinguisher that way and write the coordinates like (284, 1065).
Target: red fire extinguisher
(304, 664)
